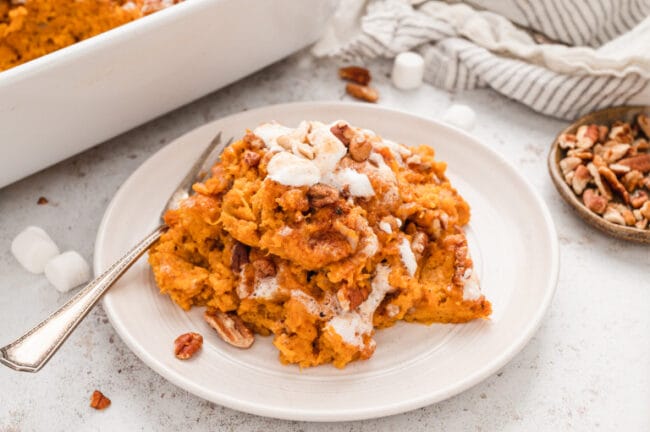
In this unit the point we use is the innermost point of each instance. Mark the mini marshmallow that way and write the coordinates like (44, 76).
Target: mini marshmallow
(33, 248)
(67, 271)
(460, 116)
(408, 70)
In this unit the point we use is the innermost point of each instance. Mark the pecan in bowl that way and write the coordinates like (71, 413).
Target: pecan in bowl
(601, 166)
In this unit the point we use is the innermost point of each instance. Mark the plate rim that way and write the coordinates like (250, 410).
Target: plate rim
(287, 413)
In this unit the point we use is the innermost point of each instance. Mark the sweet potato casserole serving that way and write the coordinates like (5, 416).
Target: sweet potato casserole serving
(318, 235)
(33, 28)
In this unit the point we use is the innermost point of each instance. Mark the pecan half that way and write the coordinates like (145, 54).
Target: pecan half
(251, 158)
(230, 327)
(99, 401)
(321, 195)
(364, 93)
(239, 257)
(357, 74)
(360, 149)
(186, 345)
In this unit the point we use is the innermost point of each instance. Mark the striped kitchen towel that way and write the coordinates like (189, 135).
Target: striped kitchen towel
(562, 58)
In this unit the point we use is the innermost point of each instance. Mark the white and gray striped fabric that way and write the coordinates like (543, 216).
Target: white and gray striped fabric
(562, 58)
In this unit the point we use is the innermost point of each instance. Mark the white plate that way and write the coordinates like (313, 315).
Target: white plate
(512, 240)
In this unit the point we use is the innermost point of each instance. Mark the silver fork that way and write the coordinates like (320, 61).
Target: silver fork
(30, 352)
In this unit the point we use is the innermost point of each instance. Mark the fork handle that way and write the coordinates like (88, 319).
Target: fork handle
(30, 352)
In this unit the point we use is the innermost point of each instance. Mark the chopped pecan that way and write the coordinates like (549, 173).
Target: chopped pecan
(239, 256)
(602, 186)
(614, 216)
(587, 136)
(640, 162)
(580, 154)
(364, 93)
(351, 297)
(568, 178)
(626, 213)
(610, 177)
(255, 142)
(419, 244)
(462, 260)
(343, 132)
(594, 202)
(580, 179)
(616, 152)
(631, 180)
(415, 163)
(264, 268)
(230, 327)
(621, 133)
(360, 148)
(251, 158)
(567, 141)
(645, 210)
(321, 195)
(638, 198)
(568, 164)
(598, 161)
(645, 182)
(99, 401)
(619, 169)
(186, 345)
(355, 74)
(293, 200)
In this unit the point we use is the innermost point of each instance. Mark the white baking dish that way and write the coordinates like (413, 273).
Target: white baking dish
(74, 98)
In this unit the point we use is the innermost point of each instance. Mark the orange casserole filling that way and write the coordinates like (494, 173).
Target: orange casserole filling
(307, 241)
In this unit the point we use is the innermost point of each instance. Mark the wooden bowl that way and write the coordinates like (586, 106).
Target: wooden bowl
(605, 116)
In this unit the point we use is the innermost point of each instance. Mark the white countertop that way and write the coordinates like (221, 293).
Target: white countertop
(587, 368)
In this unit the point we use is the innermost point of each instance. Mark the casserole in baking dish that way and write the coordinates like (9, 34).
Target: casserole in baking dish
(71, 99)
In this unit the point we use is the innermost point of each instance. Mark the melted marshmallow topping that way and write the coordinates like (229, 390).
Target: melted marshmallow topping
(311, 154)
(352, 326)
(471, 288)
(291, 170)
(408, 258)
